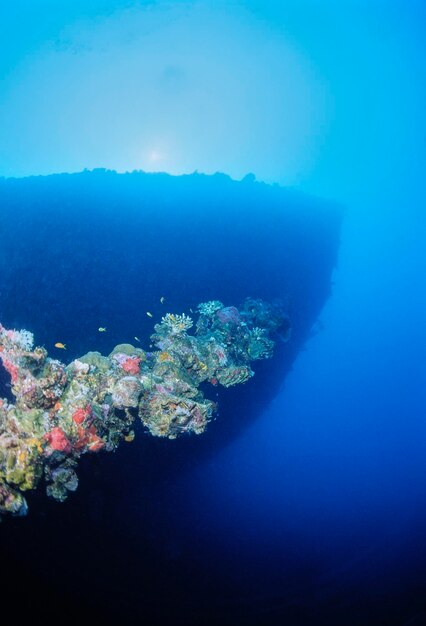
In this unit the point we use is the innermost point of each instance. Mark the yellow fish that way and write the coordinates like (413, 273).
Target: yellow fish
(101, 329)
(129, 437)
(137, 339)
(149, 314)
(162, 299)
(60, 345)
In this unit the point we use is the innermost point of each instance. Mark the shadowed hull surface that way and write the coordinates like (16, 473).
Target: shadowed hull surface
(101, 249)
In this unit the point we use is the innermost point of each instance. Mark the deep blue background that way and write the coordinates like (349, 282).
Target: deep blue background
(305, 504)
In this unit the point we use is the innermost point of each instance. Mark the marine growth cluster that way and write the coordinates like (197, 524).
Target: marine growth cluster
(63, 411)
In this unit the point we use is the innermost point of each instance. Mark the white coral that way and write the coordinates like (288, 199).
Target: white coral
(258, 332)
(25, 340)
(176, 324)
(21, 339)
(210, 308)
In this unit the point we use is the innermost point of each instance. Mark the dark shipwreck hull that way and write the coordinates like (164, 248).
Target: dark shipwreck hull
(100, 249)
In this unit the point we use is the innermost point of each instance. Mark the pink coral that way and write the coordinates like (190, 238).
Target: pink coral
(12, 369)
(131, 365)
(58, 440)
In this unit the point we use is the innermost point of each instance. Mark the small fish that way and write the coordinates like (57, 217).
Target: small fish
(137, 339)
(101, 329)
(60, 345)
(149, 314)
(191, 310)
(162, 299)
(129, 437)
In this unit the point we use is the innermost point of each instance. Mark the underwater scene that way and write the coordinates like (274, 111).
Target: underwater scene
(212, 301)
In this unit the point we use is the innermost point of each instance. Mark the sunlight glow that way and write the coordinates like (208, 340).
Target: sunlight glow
(154, 156)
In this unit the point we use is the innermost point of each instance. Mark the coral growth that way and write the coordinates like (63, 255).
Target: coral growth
(175, 324)
(62, 412)
(209, 308)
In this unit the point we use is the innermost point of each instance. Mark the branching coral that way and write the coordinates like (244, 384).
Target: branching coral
(176, 324)
(209, 308)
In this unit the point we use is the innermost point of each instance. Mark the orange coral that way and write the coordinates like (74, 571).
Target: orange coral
(80, 415)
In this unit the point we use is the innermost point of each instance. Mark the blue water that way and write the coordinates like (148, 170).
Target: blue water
(304, 502)
(324, 497)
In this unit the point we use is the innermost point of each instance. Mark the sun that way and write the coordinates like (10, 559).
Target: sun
(154, 156)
